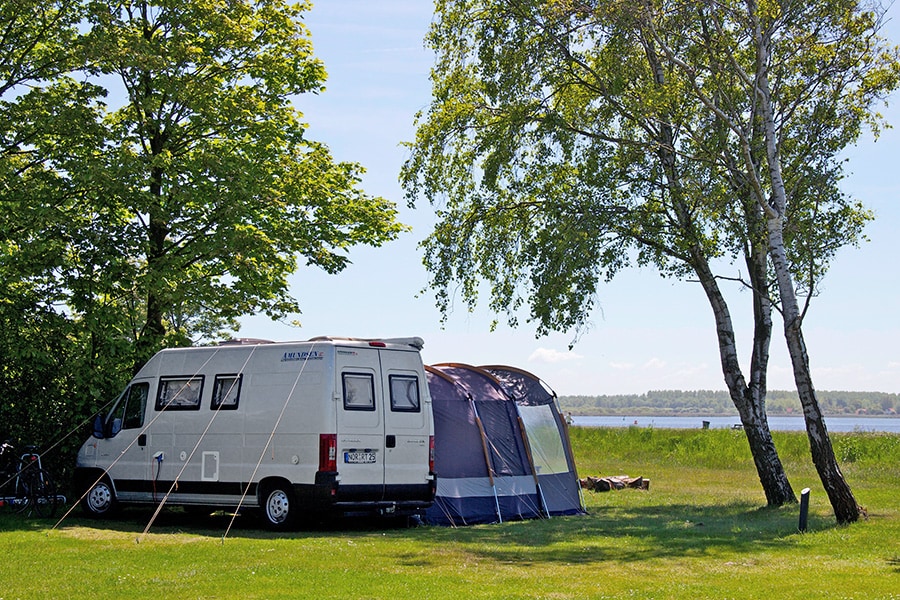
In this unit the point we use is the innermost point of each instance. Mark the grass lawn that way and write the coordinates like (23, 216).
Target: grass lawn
(701, 531)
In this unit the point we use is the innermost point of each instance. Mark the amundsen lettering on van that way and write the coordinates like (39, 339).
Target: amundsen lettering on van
(249, 425)
(314, 355)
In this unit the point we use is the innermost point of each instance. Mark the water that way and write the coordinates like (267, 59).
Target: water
(776, 423)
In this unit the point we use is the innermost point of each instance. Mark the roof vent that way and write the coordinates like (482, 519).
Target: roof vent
(244, 342)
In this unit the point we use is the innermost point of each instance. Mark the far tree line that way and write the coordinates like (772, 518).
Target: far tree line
(718, 402)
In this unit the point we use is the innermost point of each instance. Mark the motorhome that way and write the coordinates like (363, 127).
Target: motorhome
(326, 425)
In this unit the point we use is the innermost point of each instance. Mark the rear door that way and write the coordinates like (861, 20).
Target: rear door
(360, 426)
(407, 426)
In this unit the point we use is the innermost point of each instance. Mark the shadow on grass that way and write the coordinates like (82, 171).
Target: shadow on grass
(623, 534)
(894, 561)
(135, 520)
(634, 533)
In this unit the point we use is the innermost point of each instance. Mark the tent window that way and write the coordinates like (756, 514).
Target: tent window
(546, 443)
(404, 393)
(359, 391)
(226, 391)
(179, 393)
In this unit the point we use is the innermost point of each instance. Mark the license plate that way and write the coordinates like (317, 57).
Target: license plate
(359, 458)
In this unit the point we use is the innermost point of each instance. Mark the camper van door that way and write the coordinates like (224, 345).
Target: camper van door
(408, 424)
(124, 446)
(360, 426)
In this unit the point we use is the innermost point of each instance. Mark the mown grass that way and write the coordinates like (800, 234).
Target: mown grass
(701, 531)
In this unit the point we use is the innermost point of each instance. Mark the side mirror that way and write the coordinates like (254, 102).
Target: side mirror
(116, 427)
(98, 427)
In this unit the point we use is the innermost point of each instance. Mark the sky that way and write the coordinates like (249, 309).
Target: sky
(647, 333)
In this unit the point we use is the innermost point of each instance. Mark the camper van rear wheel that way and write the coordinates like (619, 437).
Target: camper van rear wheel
(99, 500)
(279, 508)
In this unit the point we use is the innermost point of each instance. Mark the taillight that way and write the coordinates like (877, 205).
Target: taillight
(328, 452)
(431, 453)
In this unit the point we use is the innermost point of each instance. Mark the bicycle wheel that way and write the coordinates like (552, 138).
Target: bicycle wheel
(42, 495)
(36, 494)
(21, 503)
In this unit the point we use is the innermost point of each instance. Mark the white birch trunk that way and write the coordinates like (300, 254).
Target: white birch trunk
(749, 400)
(843, 503)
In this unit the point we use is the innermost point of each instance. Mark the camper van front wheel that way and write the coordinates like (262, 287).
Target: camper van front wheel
(100, 499)
(279, 507)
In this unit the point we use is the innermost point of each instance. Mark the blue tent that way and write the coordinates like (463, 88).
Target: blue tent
(485, 449)
(548, 439)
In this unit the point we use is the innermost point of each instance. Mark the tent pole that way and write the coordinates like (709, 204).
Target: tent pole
(570, 453)
(487, 458)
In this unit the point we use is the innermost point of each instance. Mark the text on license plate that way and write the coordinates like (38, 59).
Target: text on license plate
(358, 457)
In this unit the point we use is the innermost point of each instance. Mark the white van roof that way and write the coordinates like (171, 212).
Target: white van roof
(416, 342)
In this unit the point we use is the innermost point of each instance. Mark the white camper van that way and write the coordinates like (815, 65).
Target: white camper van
(331, 424)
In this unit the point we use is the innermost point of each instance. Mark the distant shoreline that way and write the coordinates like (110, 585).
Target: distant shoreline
(662, 413)
(717, 403)
(835, 423)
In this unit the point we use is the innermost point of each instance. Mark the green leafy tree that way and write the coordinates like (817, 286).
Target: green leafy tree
(157, 183)
(44, 112)
(557, 139)
(207, 184)
(565, 142)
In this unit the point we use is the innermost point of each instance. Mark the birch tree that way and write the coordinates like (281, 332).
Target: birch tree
(817, 68)
(565, 140)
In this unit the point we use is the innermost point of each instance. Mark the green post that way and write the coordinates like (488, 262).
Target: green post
(804, 509)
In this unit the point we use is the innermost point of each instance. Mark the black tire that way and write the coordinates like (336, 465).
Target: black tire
(100, 500)
(41, 494)
(278, 507)
(23, 499)
(22, 502)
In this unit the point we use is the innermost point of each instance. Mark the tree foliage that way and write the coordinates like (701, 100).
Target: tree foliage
(156, 183)
(841, 74)
(211, 181)
(540, 149)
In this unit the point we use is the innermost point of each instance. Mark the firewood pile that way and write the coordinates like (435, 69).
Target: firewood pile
(618, 482)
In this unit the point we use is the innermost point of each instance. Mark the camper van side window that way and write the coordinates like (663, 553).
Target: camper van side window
(137, 403)
(404, 393)
(359, 391)
(226, 390)
(179, 393)
(128, 413)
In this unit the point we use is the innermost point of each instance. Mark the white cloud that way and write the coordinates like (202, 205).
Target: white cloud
(621, 366)
(655, 363)
(549, 355)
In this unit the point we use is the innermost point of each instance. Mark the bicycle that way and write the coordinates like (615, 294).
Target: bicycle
(24, 485)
